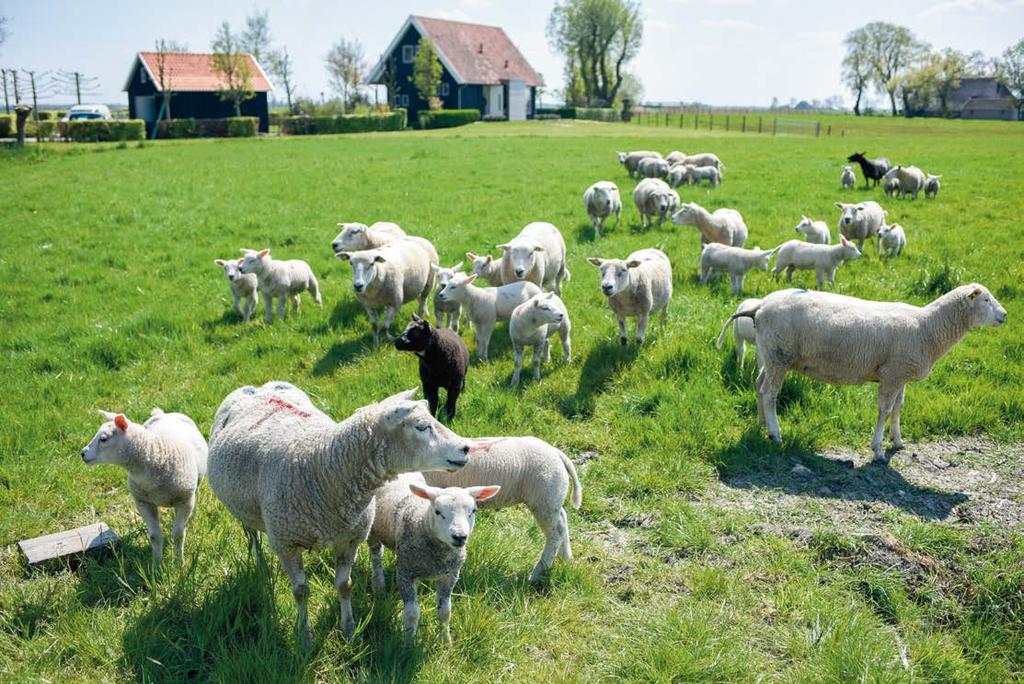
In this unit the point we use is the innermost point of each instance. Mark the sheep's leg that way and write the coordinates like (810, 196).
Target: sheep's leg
(547, 350)
(741, 348)
(563, 334)
(517, 350)
(539, 352)
(886, 401)
(483, 339)
(282, 306)
(641, 326)
(444, 605)
(411, 611)
(832, 278)
(820, 275)
(372, 315)
(450, 400)
(182, 512)
(705, 275)
(597, 226)
(737, 284)
(789, 273)
(295, 304)
(758, 383)
(377, 582)
(234, 303)
(291, 563)
(622, 332)
(771, 383)
(894, 420)
(151, 516)
(550, 524)
(389, 315)
(250, 305)
(314, 290)
(344, 557)
(564, 550)
(457, 315)
(430, 391)
(268, 309)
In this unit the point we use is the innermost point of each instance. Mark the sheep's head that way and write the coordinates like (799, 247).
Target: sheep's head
(108, 444)
(364, 267)
(848, 250)
(416, 440)
(544, 309)
(614, 274)
(622, 157)
(847, 212)
(522, 256)
(856, 157)
(454, 510)
(415, 337)
(351, 238)
(455, 289)
(848, 168)
(231, 267)
(444, 275)
(677, 176)
(686, 216)
(984, 309)
(253, 261)
(804, 225)
(763, 257)
(886, 232)
(601, 198)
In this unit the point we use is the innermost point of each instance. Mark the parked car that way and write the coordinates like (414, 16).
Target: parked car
(90, 111)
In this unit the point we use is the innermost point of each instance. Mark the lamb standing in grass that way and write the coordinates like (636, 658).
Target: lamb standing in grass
(891, 186)
(601, 200)
(531, 324)
(631, 160)
(243, 287)
(447, 313)
(860, 222)
(289, 470)
(280, 280)
(487, 267)
(356, 237)
(931, 186)
(636, 286)
(675, 157)
(536, 254)
(849, 341)
(652, 167)
(847, 180)
(166, 460)
(485, 306)
(696, 174)
(427, 528)
(678, 175)
(735, 261)
(892, 240)
(822, 259)
(814, 231)
(443, 361)
(702, 159)
(911, 179)
(530, 472)
(742, 332)
(654, 198)
(725, 225)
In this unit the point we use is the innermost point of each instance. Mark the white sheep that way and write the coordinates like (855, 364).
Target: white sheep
(289, 470)
(859, 222)
(654, 198)
(822, 259)
(703, 159)
(279, 280)
(931, 186)
(487, 268)
(486, 306)
(696, 174)
(636, 286)
(675, 157)
(531, 324)
(652, 167)
(679, 174)
(166, 460)
(892, 240)
(387, 277)
(427, 528)
(725, 225)
(742, 332)
(536, 254)
(911, 179)
(891, 186)
(814, 231)
(530, 472)
(848, 341)
(735, 261)
(356, 237)
(630, 160)
(242, 286)
(847, 179)
(447, 313)
(601, 200)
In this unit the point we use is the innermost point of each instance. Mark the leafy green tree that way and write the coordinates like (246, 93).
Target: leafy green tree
(892, 50)
(255, 37)
(1010, 72)
(233, 67)
(858, 66)
(426, 73)
(346, 68)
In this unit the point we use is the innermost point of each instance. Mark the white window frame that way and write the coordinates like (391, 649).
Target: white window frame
(409, 54)
(443, 90)
(142, 75)
(405, 101)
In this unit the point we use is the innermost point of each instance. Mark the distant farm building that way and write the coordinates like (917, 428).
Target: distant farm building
(982, 98)
(483, 69)
(195, 87)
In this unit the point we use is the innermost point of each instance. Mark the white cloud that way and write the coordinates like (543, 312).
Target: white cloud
(451, 15)
(738, 25)
(660, 24)
(968, 6)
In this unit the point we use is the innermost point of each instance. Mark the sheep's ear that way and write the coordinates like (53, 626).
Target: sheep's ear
(483, 493)
(457, 267)
(471, 256)
(550, 295)
(488, 259)
(109, 415)
(842, 240)
(536, 303)
(470, 279)
(502, 247)
(344, 256)
(240, 262)
(434, 268)
(632, 263)
(264, 252)
(219, 262)
(594, 261)
(379, 259)
(121, 422)
(977, 291)
(538, 248)
(839, 205)
(423, 491)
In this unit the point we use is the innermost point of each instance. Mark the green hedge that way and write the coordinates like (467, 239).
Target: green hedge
(591, 113)
(7, 126)
(231, 127)
(243, 126)
(347, 123)
(447, 118)
(46, 130)
(98, 130)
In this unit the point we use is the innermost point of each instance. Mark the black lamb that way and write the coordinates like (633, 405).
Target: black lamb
(443, 360)
(873, 169)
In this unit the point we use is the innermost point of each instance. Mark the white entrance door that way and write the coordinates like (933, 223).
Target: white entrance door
(495, 96)
(517, 100)
(145, 107)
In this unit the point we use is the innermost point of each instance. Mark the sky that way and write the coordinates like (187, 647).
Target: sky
(721, 52)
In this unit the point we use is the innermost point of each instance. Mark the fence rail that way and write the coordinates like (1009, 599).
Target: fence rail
(736, 121)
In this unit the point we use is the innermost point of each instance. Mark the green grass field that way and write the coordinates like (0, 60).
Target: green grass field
(109, 299)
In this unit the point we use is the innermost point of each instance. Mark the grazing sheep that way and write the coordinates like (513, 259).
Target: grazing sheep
(735, 261)
(931, 186)
(279, 280)
(166, 460)
(356, 237)
(822, 259)
(447, 313)
(485, 306)
(654, 198)
(844, 340)
(443, 361)
(427, 528)
(702, 159)
(530, 472)
(601, 200)
(631, 160)
(678, 175)
(891, 186)
(725, 225)
(911, 179)
(652, 167)
(871, 169)
(892, 240)
(814, 231)
(859, 222)
(289, 470)
(388, 277)
(675, 157)
(696, 174)
(242, 286)
(487, 267)
(536, 254)
(848, 179)
(636, 286)
(531, 324)
(742, 332)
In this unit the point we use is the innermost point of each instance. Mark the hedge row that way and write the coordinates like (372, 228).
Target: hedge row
(98, 130)
(346, 123)
(447, 118)
(231, 127)
(591, 113)
(7, 126)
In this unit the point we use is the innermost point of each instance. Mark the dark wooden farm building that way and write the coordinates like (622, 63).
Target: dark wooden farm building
(195, 89)
(483, 69)
(982, 98)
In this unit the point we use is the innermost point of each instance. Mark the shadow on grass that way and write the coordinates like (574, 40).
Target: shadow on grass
(230, 317)
(603, 363)
(341, 353)
(346, 313)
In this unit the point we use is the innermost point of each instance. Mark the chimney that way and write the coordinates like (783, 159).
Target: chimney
(480, 50)
(506, 64)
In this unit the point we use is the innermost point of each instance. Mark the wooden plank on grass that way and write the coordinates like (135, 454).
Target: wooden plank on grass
(67, 543)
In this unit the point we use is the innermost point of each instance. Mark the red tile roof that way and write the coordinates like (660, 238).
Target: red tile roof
(192, 72)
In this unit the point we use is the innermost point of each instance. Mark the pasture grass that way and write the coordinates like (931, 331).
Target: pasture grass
(109, 298)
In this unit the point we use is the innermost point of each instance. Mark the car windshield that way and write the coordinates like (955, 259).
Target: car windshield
(83, 115)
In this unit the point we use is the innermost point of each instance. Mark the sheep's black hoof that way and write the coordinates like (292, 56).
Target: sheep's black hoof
(624, 341)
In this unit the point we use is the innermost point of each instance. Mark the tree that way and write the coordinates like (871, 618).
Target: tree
(346, 69)
(917, 87)
(5, 32)
(75, 83)
(947, 68)
(255, 37)
(857, 65)
(426, 73)
(39, 85)
(164, 76)
(233, 67)
(7, 99)
(280, 63)
(599, 38)
(1010, 72)
(389, 79)
(892, 49)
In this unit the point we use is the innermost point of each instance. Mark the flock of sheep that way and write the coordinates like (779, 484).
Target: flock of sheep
(392, 475)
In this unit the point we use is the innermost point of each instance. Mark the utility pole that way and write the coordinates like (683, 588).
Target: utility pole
(75, 83)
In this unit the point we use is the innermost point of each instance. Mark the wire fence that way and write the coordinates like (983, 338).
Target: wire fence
(734, 120)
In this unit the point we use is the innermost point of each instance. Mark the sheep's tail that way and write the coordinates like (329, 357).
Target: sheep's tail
(746, 313)
(156, 412)
(577, 488)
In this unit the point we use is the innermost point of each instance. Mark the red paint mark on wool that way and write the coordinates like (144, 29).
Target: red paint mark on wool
(282, 405)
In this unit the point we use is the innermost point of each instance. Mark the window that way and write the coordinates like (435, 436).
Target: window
(405, 101)
(442, 90)
(408, 53)
(142, 75)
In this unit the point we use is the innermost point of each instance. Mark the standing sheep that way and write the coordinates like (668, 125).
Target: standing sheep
(654, 198)
(637, 286)
(243, 287)
(630, 160)
(911, 180)
(290, 471)
(859, 222)
(931, 186)
(448, 313)
(652, 167)
(735, 261)
(891, 186)
(675, 157)
(871, 169)
(696, 174)
(443, 361)
(848, 341)
(822, 259)
(814, 231)
(536, 254)
(485, 306)
(725, 225)
(702, 159)
(678, 175)
(279, 280)
(742, 332)
(892, 240)
(847, 180)
(601, 200)
(487, 268)
(531, 324)
(166, 460)
(356, 237)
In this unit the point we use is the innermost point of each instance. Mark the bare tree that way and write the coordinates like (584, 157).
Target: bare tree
(164, 74)
(346, 68)
(857, 65)
(255, 37)
(280, 64)
(233, 67)
(389, 79)
(75, 83)
(39, 85)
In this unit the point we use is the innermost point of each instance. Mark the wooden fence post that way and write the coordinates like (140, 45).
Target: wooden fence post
(829, 130)
(744, 128)
(817, 129)
(711, 121)
(758, 124)
(775, 126)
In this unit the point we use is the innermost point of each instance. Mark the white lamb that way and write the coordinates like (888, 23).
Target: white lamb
(355, 237)
(636, 286)
(654, 198)
(735, 261)
(536, 254)
(427, 528)
(166, 460)
(530, 472)
(891, 186)
(601, 200)
(447, 313)
(725, 225)
(486, 306)
(931, 186)
(848, 179)
(652, 167)
(678, 174)
(859, 222)
(487, 268)
(289, 470)
(814, 231)
(242, 286)
(675, 157)
(531, 324)
(280, 280)
(703, 159)
(911, 179)
(742, 332)
(892, 240)
(822, 259)
(848, 341)
(630, 160)
(696, 174)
